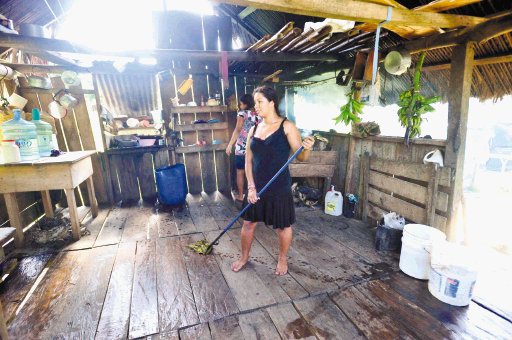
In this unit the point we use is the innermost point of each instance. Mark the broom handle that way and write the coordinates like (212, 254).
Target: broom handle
(283, 168)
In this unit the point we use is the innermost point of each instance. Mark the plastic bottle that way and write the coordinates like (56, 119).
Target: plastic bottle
(25, 135)
(44, 134)
(333, 202)
(10, 153)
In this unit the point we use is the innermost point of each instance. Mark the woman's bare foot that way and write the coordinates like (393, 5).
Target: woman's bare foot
(239, 197)
(282, 267)
(239, 265)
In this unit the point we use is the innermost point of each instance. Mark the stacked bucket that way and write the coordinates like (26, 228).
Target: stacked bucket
(426, 255)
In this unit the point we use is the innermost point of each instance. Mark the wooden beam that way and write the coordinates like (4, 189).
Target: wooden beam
(411, 32)
(458, 105)
(55, 58)
(318, 70)
(444, 5)
(103, 68)
(359, 11)
(391, 3)
(246, 12)
(480, 61)
(479, 33)
(33, 44)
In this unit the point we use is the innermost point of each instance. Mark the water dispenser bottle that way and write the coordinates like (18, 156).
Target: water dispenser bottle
(44, 134)
(25, 135)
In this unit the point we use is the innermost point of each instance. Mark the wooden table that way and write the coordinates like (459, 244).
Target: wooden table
(65, 172)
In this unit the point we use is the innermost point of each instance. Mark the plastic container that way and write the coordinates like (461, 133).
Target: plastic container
(44, 134)
(5, 115)
(417, 243)
(9, 152)
(452, 274)
(387, 238)
(25, 135)
(172, 186)
(333, 202)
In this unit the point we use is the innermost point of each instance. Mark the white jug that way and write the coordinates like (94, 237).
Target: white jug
(333, 202)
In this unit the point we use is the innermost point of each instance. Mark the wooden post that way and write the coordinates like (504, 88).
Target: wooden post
(432, 194)
(47, 203)
(366, 180)
(351, 149)
(4, 335)
(167, 92)
(73, 213)
(92, 197)
(14, 217)
(458, 103)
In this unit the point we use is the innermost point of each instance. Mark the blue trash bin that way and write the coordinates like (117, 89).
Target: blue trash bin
(171, 182)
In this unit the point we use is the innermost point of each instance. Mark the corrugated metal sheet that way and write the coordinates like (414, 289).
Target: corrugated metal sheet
(131, 95)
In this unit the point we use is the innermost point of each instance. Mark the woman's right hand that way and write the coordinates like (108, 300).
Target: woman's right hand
(251, 196)
(229, 149)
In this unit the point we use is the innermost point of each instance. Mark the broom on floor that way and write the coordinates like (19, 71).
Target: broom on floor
(203, 247)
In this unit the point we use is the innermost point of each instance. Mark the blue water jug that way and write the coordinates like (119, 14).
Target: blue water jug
(172, 186)
(25, 135)
(44, 134)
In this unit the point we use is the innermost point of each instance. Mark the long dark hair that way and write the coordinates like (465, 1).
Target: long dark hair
(271, 95)
(248, 100)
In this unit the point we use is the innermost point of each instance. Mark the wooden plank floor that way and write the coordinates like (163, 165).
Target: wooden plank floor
(133, 277)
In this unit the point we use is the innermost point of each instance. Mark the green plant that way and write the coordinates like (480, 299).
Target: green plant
(413, 105)
(350, 111)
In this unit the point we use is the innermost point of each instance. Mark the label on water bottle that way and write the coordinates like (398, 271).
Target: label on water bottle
(28, 147)
(330, 207)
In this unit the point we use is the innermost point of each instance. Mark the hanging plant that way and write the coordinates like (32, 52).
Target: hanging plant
(349, 113)
(413, 105)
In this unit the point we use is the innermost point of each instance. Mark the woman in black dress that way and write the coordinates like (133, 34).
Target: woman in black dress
(271, 142)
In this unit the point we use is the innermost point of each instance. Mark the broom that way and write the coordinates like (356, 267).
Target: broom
(202, 247)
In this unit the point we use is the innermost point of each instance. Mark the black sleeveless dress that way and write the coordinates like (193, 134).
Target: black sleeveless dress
(275, 207)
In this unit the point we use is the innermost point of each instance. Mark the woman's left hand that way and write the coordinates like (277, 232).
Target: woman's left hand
(308, 143)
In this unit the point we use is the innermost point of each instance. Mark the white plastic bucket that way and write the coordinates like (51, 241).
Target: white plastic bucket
(453, 274)
(416, 247)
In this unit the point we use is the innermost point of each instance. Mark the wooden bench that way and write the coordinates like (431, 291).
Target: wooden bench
(320, 164)
(409, 189)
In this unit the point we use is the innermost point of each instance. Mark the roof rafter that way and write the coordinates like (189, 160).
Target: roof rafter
(477, 62)
(359, 11)
(409, 32)
(36, 45)
(479, 34)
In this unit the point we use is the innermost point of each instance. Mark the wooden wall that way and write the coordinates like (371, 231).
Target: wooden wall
(131, 172)
(348, 173)
(208, 168)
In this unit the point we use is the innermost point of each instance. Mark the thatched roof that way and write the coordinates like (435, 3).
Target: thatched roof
(490, 80)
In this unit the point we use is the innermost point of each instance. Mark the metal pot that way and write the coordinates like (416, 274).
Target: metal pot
(40, 82)
(34, 31)
(65, 99)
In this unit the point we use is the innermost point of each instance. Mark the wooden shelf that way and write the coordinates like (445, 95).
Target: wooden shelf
(197, 148)
(135, 150)
(203, 126)
(199, 109)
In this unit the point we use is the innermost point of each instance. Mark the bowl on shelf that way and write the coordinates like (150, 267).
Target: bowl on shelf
(147, 141)
(132, 122)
